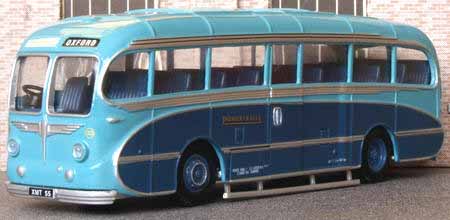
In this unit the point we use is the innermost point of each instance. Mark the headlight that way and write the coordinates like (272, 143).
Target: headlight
(79, 152)
(13, 148)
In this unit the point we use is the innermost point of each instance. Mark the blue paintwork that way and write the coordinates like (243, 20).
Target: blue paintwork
(302, 121)
(166, 130)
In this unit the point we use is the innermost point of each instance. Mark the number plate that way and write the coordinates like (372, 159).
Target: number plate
(39, 192)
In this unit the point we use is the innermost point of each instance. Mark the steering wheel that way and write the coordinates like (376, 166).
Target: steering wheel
(32, 90)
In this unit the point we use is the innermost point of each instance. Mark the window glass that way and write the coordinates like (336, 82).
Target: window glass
(28, 83)
(372, 64)
(289, 4)
(118, 6)
(324, 63)
(327, 6)
(359, 7)
(179, 70)
(308, 5)
(99, 7)
(412, 67)
(67, 8)
(72, 85)
(80, 7)
(127, 77)
(346, 7)
(137, 4)
(276, 4)
(284, 64)
(237, 66)
(150, 3)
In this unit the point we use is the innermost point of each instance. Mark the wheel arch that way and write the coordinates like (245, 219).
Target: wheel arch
(388, 131)
(211, 146)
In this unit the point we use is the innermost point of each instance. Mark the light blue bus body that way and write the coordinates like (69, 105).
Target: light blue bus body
(135, 144)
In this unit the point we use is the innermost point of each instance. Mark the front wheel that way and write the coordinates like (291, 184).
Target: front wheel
(375, 159)
(196, 179)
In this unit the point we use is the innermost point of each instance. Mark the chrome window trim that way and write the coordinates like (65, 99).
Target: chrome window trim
(52, 81)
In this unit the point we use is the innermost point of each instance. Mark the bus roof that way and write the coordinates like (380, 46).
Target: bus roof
(118, 32)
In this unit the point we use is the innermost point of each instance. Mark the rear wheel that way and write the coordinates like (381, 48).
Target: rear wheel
(375, 158)
(196, 179)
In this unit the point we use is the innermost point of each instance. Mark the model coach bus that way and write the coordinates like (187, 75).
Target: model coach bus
(158, 102)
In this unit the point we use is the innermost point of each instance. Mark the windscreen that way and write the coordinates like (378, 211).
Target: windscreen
(28, 83)
(72, 85)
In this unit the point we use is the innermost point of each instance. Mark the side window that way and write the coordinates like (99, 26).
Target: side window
(72, 85)
(127, 77)
(324, 63)
(237, 66)
(372, 64)
(284, 64)
(412, 67)
(179, 70)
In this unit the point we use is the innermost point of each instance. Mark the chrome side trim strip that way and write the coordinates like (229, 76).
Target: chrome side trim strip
(268, 38)
(291, 144)
(215, 96)
(293, 174)
(417, 159)
(62, 129)
(152, 157)
(294, 189)
(89, 197)
(44, 129)
(416, 132)
(26, 126)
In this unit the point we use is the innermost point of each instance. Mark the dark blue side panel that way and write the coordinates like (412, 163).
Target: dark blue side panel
(326, 156)
(173, 133)
(286, 160)
(408, 119)
(356, 148)
(164, 174)
(322, 120)
(139, 144)
(249, 132)
(136, 176)
(249, 164)
(366, 116)
(248, 126)
(289, 130)
(419, 146)
(252, 127)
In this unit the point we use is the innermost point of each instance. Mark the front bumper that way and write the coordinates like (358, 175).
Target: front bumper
(106, 197)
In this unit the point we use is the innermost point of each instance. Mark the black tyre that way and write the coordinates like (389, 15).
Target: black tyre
(196, 179)
(375, 157)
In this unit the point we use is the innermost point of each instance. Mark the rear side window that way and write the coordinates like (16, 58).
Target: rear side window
(127, 77)
(372, 64)
(237, 66)
(324, 63)
(412, 67)
(179, 70)
(284, 64)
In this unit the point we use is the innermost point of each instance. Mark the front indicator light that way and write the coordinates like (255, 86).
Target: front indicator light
(79, 152)
(13, 148)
